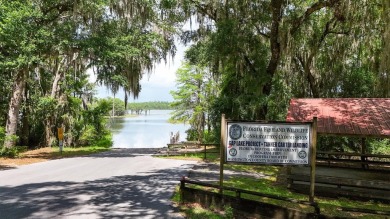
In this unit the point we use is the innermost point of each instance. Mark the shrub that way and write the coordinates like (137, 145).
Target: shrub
(88, 135)
(2, 136)
(12, 152)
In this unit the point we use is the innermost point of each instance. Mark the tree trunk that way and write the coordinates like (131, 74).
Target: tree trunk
(276, 7)
(25, 134)
(14, 106)
(59, 75)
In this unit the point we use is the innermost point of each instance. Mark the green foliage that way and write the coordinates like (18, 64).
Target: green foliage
(379, 146)
(153, 105)
(228, 212)
(93, 124)
(90, 136)
(201, 213)
(192, 100)
(104, 140)
(309, 49)
(9, 152)
(12, 152)
(57, 41)
(47, 106)
(117, 107)
(192, 134)
(2, 136)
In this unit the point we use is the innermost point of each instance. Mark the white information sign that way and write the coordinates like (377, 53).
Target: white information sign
(278, 143)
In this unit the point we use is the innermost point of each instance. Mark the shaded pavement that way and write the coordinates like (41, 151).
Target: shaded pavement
(116, 184)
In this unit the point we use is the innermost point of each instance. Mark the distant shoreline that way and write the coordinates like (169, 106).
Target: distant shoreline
(124, 116)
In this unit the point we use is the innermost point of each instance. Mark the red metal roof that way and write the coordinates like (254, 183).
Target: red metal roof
(344, 116)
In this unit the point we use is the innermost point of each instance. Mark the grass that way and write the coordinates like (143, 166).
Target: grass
(77, 151)
(197, 156)
(49, 153)
(271, 184)
(195, 211)
(192, 156)
(329, 207)
(264, 169)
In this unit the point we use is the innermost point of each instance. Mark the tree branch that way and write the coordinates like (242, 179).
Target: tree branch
(261, 33)
(205, 10)
(315, 7)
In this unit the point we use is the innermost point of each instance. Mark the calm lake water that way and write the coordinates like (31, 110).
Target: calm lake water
(145, 131)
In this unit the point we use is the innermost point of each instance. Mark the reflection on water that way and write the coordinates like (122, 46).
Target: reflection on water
(145, 131)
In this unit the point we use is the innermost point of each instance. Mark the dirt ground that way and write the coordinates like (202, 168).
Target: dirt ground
(29, 157)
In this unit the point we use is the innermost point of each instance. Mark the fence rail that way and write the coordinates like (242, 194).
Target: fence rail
(315, 205)
(238, 193)
(364, 159)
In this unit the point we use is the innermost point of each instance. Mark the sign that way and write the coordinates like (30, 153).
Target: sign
(278, 143)
(60, 134)
(61, 144)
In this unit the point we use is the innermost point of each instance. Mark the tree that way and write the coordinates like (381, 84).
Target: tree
(59, 40)
(119, 106)
(192, 98)
(305, 46)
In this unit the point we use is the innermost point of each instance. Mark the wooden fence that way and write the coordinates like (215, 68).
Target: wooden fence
(366, 160)
(242, 207)
(237, 201)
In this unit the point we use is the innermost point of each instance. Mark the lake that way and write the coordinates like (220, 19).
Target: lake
(145, 131)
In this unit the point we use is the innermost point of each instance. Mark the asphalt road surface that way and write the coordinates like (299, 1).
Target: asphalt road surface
(115, 184)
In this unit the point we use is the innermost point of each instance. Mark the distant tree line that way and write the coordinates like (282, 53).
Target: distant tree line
(153, 105)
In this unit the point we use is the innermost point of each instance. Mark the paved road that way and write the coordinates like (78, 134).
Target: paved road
(115, 184)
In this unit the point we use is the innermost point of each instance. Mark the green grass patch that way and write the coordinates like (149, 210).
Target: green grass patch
(329, 207)
(78, 151)
(198, 156)
(270, 185)
(195, 211)
(264, 169)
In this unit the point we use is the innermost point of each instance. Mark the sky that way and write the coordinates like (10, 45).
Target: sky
(155, 86)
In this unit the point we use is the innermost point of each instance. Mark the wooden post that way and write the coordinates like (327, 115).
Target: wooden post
(313, 154)
(222, 151)
(363, 158)
(182, 187)
(289, 179)
(205, 152)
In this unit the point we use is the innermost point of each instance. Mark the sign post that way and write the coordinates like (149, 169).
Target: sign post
(60, 138)
(313, 147)
(222, 152)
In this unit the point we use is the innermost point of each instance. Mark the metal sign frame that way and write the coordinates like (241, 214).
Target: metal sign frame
(312, 149)
(267, 143)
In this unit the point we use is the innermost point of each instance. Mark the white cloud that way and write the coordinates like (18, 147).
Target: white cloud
(164, 74)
